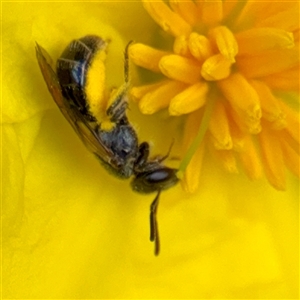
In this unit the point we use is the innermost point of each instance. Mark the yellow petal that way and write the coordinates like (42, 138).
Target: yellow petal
(272, 158)
(180, 46)
(269, 104)
(219, 128)
(243, 123)
(138, 92)
(189, 100)
(225, 41)
(212, 11)
(180, 68)
(216, 67)
(228, 7)
(145, 56)
(286, 19)
(260, 39)
(268, 63)
(250, 159)
(286, 80)
(291, 158)
(160, 97)
(227, 160)
(237, 135)
(168, 20)
(186, 9)
(199, 46)
(272, 8)
(191, 179)
(242, 96)
(292, 119)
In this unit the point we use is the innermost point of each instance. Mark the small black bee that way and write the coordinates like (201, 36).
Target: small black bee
(118, 148)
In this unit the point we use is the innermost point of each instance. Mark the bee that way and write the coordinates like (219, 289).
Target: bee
(117, 147)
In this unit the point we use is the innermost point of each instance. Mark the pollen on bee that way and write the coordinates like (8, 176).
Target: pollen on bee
(95, 86)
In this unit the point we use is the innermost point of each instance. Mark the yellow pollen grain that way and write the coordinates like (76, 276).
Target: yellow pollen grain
(107, 125)
(270, 105)
(225, 41)
(269, 62)
(95, 86)
(167, 19)
(160, 97)
(219, 128)
(250, 159)
(180, 68)
(186, 9)
(256, 40)
(199, 46)
(146, 57)
(272, 158)
(242, 97)
(189, 100)
(180, 46)
(216, 67)
(212, 12)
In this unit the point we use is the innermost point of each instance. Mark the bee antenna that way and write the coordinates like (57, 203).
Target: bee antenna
(154, 236)
(126, 64)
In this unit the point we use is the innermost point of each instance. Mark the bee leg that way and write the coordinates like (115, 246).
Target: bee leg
(154, 236)
(143, 155)
(117, 110)
(162, 158)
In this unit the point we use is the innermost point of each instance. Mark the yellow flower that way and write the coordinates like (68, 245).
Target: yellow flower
(234, 68)
(72, 231)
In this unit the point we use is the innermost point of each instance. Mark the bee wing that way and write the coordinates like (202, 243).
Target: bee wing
(80, 125)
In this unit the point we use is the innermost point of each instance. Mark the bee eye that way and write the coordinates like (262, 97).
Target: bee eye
(151, 181)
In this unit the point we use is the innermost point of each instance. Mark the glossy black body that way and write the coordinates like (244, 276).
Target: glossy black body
(118, 149)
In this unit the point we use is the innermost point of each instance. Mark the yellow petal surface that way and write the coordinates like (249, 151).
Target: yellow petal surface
(145, 56)
(241, 96)
(268, 63)
(180, 68)
(166, 18)
(219, 127)
(284, 19)
(260, 39)
(250, 159)
(216, 67)
(189, 100)
(212, 11)
(269, 104)
(287, 80)
(160, 97)
(225, 41)
(272, 158)
(199, 46)
(186, 9)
